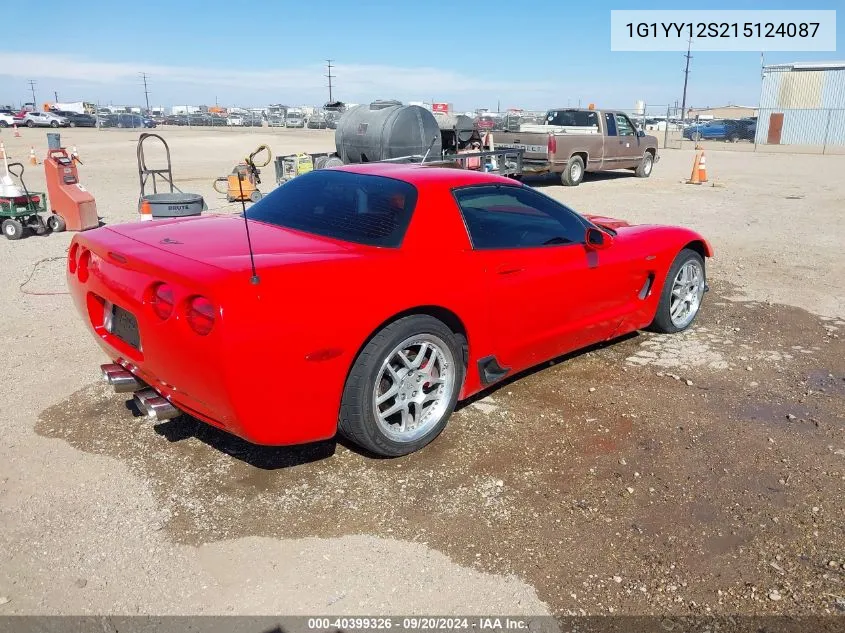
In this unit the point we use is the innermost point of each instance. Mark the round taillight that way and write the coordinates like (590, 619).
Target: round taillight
(161, 299)
(200, 315)
(71, 257)
(82, 265)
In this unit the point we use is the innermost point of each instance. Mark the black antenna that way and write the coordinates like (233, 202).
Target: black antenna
(254, 280)
(428, 151)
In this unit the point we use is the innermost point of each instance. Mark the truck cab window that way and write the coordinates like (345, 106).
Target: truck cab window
(624, 125)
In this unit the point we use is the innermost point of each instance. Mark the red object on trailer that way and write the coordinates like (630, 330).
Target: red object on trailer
(440, 107)
(68, 198)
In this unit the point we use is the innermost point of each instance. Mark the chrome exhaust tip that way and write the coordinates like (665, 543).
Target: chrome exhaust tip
(120, 379)
(155, 406)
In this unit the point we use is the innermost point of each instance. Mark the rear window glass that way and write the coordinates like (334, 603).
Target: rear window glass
(363, 209)
(575, 118)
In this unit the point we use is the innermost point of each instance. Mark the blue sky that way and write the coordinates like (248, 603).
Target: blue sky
(470, 53)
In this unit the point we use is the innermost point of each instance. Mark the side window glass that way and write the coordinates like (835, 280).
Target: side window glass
(624, 125)
(504, 217)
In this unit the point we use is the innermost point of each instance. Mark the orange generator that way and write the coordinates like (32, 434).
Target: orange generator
(72, 202)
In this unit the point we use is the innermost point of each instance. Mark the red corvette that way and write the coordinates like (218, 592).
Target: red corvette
(382, 295)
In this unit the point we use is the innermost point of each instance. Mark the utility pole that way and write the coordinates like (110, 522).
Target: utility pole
(56, 94)
(146, 91)
(32, 88)
(686, 79)
(330, 77)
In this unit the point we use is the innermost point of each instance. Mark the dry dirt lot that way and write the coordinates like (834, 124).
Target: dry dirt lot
(691, 474)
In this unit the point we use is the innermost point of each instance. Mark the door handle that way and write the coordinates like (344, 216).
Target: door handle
(507, 269)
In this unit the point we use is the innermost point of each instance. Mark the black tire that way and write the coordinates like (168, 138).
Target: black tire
(643, 170)
(357, 422)
(3, 124)
(662, 319)
(54, 124)
(333, 161)
(30, 124)
(695, 136)
(56, 223)
(255, 196)
(71, 124)
(734, 137)
(12, 229)
(573, 173)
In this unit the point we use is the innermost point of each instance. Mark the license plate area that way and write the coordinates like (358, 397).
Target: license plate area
(122, 324)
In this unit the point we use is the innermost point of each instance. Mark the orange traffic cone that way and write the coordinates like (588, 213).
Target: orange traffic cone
(2, 150)
(145, 210)
(694, 176)
(17, 134)
(32, 159)
(702, 169)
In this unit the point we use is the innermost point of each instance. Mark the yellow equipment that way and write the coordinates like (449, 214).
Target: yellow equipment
(294, 165)
(242, 183)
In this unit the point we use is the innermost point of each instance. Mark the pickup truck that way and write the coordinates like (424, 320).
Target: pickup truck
(573, 141)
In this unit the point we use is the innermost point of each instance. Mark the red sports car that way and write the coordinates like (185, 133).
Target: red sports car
(383, 294)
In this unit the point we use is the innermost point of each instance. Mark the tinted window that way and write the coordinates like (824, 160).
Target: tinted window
(516, 217)
(573, 118)
(356, 208)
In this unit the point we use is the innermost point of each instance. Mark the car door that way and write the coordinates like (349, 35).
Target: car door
(543, 286)
(629, 151)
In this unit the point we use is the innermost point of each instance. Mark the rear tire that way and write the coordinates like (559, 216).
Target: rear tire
(56, 223)
(646, 165)
(675, 292)
(255, 196)
(377, 371)
(333, 161)
(573, 173)
(30, 124)
(54, 124)
(12, 229)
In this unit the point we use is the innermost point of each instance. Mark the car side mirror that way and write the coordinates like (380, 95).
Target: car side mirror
(597, 240)
(640, 133)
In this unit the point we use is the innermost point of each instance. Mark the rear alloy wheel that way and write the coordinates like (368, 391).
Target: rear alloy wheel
(30, 124)
(682, 294)
(696, 136)
(71, 124)
(643, 170)
(12, 229)
(734, 138)
(573, 173)
(403, 387)
(3, 124)
(54, 124)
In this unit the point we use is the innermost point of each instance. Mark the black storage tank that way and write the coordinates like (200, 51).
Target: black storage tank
(386, 129)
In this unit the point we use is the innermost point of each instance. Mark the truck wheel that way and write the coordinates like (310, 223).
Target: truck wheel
(56, 223)
(320, 162)
(12, 229)
(734, 137)
(403, 387)
(333, 161)
(646, 164)
(573, 174)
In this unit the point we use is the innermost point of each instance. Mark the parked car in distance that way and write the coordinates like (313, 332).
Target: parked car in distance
(7, 118)
(575, 141)
(317, 121)
(332, 119)
(126, 120)
(294, 118)
(43, 119)
(275, 121)
(722, 129)
(75, 119)
(174, 304)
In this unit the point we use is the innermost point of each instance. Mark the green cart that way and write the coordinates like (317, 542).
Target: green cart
(19, 213)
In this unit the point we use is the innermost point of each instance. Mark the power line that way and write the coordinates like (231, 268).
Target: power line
(146, 91)
(686, 79)
(330, 76)
(32, 88)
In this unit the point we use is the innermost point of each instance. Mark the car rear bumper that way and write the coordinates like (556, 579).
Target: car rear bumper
(230, 378)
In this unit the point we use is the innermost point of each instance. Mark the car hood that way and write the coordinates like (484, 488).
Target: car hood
(220, 241)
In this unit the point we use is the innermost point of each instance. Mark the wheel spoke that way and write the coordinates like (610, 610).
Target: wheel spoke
(420, 357)
(397, 406)
(678, 309)
(404, 359)
(407, 419)
(387, 395)
(432, 361)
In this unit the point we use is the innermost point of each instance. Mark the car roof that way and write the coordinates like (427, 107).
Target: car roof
(416, 174)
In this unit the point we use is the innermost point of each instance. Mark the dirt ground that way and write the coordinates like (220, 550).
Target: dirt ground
(701, 473)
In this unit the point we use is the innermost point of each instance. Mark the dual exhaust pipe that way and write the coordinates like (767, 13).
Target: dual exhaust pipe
(148, 401)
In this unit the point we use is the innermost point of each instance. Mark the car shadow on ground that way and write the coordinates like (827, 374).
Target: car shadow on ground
(278, 457)
(549, 180)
